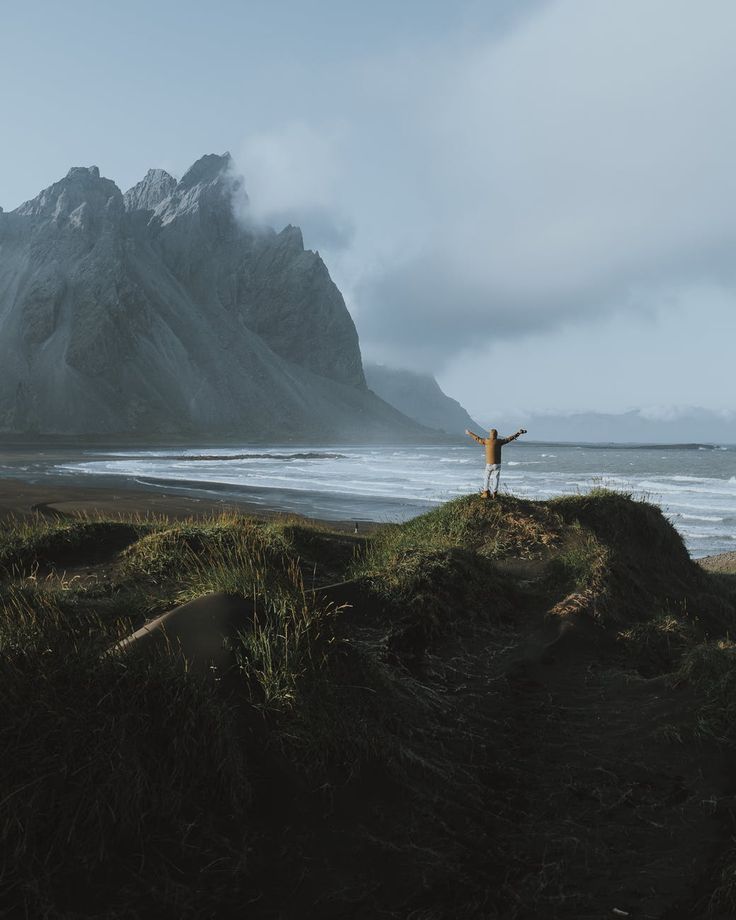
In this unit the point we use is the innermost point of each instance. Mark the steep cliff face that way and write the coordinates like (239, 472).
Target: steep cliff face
(156, 312)
(419, 396)
(281, 291)
(147, 194)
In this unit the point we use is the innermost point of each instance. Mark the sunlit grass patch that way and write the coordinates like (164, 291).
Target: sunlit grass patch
(579, 562)
(285, 645)
(490, 528)
(177, 551)
(238, 556)
(245, 561)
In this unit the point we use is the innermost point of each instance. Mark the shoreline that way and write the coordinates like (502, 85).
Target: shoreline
(50, 472)
(21, 498)
(27, 497)
(28, 478)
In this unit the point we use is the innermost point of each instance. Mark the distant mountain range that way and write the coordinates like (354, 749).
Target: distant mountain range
(685, 426)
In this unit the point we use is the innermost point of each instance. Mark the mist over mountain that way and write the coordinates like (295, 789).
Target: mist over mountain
(157, 312)
(420, 397)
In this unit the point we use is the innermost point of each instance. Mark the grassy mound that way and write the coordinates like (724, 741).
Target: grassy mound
(26, 546)
(377, 749)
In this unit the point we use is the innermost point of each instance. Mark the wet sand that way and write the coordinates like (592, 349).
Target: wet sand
(19, 498)
(31, 482)
(28, 488)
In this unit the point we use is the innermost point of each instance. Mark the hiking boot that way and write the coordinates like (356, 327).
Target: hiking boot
(485, 494)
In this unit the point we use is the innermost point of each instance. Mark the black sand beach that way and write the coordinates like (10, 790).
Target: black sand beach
(25, 491)
(27, 499)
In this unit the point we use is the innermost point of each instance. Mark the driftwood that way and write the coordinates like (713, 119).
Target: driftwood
(196, 631)
(199, 631)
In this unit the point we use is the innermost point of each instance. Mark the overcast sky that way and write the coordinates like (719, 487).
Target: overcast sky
(534, 200)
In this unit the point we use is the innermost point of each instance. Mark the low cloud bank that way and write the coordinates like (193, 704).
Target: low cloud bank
(575, 163)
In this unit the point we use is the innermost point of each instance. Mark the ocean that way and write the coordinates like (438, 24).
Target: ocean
(695, 485)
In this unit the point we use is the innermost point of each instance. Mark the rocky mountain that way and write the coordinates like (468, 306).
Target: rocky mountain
(419, 396)
(157, 313)
(147, 194)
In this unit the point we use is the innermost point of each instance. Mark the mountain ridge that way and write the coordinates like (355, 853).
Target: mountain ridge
(158, 313)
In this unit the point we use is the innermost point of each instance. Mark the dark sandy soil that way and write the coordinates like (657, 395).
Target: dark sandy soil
(25, 499)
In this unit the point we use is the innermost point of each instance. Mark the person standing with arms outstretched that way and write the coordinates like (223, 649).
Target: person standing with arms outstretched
(493, 445)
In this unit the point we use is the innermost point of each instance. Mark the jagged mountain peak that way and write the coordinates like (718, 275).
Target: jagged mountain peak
(157, 174)
(147, 194)
(82, 187)
(206, 169)
(83, 172)
(292, 237)
(208, 187)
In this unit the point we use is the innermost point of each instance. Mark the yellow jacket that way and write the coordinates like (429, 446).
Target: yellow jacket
(494, 444)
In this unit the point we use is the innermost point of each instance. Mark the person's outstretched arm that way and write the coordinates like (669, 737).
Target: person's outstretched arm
(513, 437)
(475, 437)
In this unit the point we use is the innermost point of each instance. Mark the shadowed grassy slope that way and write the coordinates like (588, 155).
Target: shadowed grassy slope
(361, 761)
(28, 545)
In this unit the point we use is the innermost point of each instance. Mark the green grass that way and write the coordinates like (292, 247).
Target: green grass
(171, 550)
(579, 562)
(489, 528)
(285, 644)
(346, 745)
(27, 544)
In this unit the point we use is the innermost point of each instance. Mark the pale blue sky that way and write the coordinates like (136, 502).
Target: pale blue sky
(534, 200)
(129, 83)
